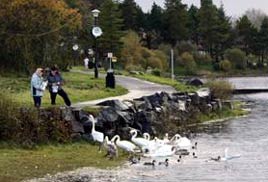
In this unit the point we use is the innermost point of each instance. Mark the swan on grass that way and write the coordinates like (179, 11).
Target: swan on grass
(124, 144)
(96, 135)
(110, 148)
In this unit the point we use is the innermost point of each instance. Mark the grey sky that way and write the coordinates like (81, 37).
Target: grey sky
(233, 8)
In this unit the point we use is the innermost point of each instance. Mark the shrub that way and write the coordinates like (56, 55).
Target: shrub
(30, 126)
(156, 72)
(225, 65)
(236, 57)
(187, 60)
(220, 89)
(186, 46)
(202, 58)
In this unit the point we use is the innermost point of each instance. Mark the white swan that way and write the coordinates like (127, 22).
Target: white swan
(152, 145)
(124, 144)
(181, 142)
(227, 157)
(163, 151)
(141, 142)
(97, 136)
(110, 148)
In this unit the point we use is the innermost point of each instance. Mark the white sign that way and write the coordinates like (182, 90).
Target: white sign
(110, 55)
(96, 31)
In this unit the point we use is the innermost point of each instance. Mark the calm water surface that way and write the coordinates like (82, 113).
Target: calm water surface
(245, 136)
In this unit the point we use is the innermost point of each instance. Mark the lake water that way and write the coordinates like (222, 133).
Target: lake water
(245, 136)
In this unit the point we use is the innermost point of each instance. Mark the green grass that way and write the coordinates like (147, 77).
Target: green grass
(18, 164)
(167, 81)
(80, 87)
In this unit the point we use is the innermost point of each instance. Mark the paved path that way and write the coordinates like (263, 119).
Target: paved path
(136, 87)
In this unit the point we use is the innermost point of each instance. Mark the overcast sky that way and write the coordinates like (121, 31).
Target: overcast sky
(233, 8)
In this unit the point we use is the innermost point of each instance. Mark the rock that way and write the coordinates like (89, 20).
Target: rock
(118, 105)
(194, 82)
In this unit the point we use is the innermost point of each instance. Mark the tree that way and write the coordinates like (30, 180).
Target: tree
(193, 24)
(245, 28)
(256, 17)
(129, 12)
(31, 31)
(263, 39)
(111, 24)
(175, 21)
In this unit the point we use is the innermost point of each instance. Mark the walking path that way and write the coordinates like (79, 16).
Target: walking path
(136, 87)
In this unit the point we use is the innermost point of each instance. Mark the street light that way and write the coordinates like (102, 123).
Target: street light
(96, 32)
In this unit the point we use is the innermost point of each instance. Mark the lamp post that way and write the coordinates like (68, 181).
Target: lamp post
(96, 32)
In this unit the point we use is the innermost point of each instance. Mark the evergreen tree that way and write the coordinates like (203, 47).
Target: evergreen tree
(208, 18)
(244, 28)
(222, 39)
(193, 24)
(111, 24)
(175, 22)
(263, 39)
(129, 13)
(155, 18)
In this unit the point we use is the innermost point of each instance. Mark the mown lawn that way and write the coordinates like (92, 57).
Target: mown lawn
(18, 164)
(80, 87)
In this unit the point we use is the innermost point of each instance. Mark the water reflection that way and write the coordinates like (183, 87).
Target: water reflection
(246, 136)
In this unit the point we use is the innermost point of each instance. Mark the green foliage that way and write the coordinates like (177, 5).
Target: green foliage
(187, 60)
(133, 54)
(175, 19)
(237, 57)
(33, 32)
(202, 58)
(220, 89)
(186, 46)
(111, 23)
(156, 72)
(225, 65)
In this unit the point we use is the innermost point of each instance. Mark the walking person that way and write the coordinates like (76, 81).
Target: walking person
(86, 60)
(38, 86)
(55, 82)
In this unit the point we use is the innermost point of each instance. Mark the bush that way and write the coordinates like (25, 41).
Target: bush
(187, 60)
(186, 46)
(225, 65)
(202, 58)
(220, 89)
(30, 126)
(156, 72)
(237, 57)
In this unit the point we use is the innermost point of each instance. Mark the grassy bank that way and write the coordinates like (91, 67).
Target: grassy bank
(18, 164)
(80, 87)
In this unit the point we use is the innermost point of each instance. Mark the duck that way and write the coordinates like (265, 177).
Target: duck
(216, 158)
(150, 163)
(194, 146)
(96, 135)
(124, 144)
(134, 160)
(164, 163)
(141, 142)
(194, 155)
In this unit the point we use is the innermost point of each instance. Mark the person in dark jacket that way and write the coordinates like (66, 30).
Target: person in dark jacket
(55, 83)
